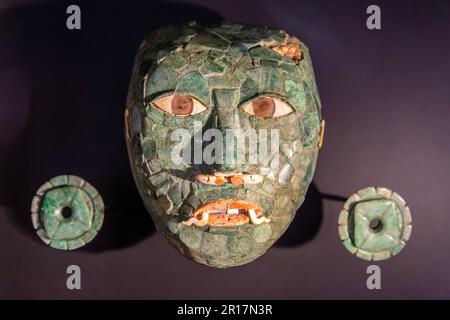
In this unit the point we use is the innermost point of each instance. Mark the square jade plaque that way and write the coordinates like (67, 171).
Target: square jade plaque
(387, 235)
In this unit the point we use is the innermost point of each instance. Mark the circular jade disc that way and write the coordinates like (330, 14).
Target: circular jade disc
(375, 224)
(67, 212)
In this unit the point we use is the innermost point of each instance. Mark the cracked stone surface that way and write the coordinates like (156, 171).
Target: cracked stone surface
(223, 67)
(86, 212)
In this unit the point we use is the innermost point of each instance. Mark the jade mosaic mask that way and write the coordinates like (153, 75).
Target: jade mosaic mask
(223, 127)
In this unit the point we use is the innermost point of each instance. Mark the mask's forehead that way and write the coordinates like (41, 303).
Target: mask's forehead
(229, 56)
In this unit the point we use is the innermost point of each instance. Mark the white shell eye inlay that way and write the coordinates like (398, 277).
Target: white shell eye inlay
(267, 107)
(179, 105)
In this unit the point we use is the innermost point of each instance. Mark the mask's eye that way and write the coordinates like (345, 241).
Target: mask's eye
(180, 105)
(266, 107)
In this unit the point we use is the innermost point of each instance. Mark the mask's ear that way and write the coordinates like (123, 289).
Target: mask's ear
(322, 133)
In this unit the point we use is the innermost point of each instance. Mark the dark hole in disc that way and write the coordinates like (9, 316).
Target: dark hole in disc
(376, 225)
(66, 212)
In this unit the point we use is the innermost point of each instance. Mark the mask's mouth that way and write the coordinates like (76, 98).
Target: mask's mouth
(227, 213)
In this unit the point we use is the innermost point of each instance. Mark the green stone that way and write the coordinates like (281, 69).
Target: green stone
(211, 67)
(297, 96)
(207, 41)
(241, 244)
(388, 235)
(191, 236)
(276, 35)
(264, 53)
(161, 80)
(262, 233)
(249, 90)
(149, 149)
(193, 83)
(235, 53)
(227, 81)
(375, 224)
(226, 99)
(85, 212)
(154, 115)
(213, 244)
(289, 68)
(272, 81)
(174, 60)
(175, 193)
(269, 63)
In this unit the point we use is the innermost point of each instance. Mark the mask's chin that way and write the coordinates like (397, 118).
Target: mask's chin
(227, 213)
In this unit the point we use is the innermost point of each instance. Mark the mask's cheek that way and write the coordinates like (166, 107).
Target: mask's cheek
(296, 166)
(172, 139)
(288, 199)
(283, 212)
(167, 156)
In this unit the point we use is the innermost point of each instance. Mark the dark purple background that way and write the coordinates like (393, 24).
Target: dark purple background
(385, 97)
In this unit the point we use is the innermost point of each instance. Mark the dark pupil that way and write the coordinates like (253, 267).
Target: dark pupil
(182, 105)
(264, 107)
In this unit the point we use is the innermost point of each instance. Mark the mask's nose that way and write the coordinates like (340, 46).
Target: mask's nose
(226, 102)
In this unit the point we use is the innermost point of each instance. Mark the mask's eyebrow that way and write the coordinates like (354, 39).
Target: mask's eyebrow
(163, 81)
(194, 84)
(160, 80)
(262, 80)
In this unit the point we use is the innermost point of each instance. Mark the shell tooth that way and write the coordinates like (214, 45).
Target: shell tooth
(199, 223)
(233, 211)
(254, 219)
(205, 218)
